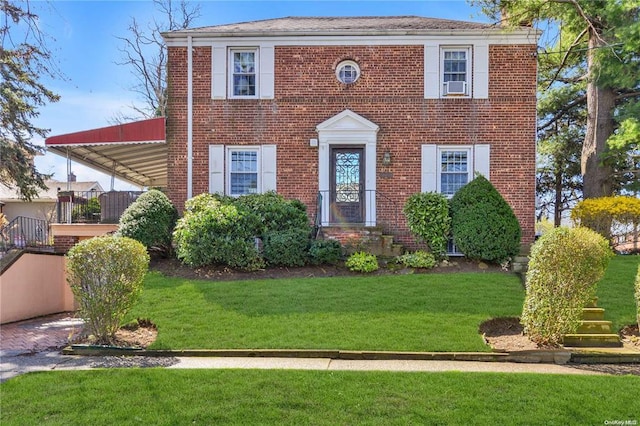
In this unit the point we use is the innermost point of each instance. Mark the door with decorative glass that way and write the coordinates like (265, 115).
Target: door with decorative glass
(347, 185)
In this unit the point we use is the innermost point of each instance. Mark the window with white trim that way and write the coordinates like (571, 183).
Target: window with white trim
(454, 169)
(243, 73)
(244, 171)
(347, 72)
(456, 71)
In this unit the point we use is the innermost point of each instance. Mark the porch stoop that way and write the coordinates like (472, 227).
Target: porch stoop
(594, 331)
(366, 238)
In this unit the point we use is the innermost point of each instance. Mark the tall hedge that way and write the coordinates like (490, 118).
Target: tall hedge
(483, 224)
(150, 219)
(564, 267)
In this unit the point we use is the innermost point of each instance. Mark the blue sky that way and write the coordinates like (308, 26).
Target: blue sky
(96, 89)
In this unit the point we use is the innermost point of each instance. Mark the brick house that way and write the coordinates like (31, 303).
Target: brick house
(353, 115)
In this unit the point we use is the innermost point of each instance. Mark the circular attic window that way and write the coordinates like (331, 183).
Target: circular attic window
(347, 72)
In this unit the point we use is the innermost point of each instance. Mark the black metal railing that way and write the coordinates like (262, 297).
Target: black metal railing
(372, 208)
(93, 206)
(25, 232)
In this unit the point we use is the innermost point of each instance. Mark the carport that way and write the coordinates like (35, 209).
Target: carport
(133, 152)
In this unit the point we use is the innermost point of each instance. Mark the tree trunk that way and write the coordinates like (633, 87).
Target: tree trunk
(557, 208)
(600, 104)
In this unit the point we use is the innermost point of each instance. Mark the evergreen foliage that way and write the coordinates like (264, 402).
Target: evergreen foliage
(483, 224)
(428, 219)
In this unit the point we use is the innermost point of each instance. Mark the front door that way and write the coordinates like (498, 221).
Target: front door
(347, 185)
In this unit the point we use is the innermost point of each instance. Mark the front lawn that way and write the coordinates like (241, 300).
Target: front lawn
(251, 397)
(421, 312)
(615, 291)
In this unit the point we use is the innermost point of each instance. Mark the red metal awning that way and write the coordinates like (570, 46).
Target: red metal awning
(134, 152)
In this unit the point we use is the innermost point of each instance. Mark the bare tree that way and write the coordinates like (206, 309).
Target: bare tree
(143, 50)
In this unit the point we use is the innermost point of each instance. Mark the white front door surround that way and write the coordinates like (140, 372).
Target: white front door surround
(344, 129)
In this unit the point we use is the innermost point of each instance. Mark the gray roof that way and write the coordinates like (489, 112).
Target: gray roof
(324, 25)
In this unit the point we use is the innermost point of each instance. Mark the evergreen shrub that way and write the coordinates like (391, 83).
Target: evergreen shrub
(106, 277)
(564, 267)
(483, 224)
(151, 220)
(286, 248)
(327, 252)
(428, 220)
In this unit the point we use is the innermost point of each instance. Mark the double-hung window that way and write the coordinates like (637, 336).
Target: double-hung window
(244, 171)
(455, 170)
(243, 75)
(456, 71)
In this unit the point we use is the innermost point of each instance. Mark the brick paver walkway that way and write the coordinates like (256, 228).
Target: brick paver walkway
(52, 331)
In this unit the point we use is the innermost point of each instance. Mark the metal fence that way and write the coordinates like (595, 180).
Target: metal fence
(25, 232)
(93, 206)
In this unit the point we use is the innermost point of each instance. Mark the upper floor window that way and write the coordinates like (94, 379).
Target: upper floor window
(243, 73)
(347, 72)
(456, 71)
(454, 170)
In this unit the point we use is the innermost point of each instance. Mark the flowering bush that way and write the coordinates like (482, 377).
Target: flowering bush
(608, 216)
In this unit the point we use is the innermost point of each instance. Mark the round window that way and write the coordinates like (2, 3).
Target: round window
(347, 72)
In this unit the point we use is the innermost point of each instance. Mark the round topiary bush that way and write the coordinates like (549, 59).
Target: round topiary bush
(106, 277)
(564, 267)
(428, 219)
(484, 226)
(150, 219)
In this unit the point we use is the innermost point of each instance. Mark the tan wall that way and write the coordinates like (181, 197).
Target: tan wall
(36, 284)
(37, 210)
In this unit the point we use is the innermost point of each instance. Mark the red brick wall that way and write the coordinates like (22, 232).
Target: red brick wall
(390, 93)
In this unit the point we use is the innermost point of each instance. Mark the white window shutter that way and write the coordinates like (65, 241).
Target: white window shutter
(481, 71)
(481, 154)
(216, 169)
(219, 72)
(429, 168)
(431, 74)
(269, 169)
(266, 70)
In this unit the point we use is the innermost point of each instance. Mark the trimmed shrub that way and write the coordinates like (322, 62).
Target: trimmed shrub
(638, 295)
(286, 248)
(211, 232)
(564, 267)
(325, 252)
(275, 212)
(150, 219)
(418, 259)
(428, 220)
(106, 277)
(483, 224)
(362, 262)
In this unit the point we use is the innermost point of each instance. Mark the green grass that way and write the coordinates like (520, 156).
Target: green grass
(251, 397)
(615, 291)
(422, 312)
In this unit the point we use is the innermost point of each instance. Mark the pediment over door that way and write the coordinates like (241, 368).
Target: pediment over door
(347, 121)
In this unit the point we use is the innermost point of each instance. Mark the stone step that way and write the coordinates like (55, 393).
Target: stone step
(592, 340)
(594, 327)
(593, 314)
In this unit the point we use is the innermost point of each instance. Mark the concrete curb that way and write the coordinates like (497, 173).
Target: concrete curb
(531, 357)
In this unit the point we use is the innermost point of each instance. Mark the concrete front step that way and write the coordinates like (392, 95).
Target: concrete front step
(593, 314)
(594, 327)
(592, 340)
